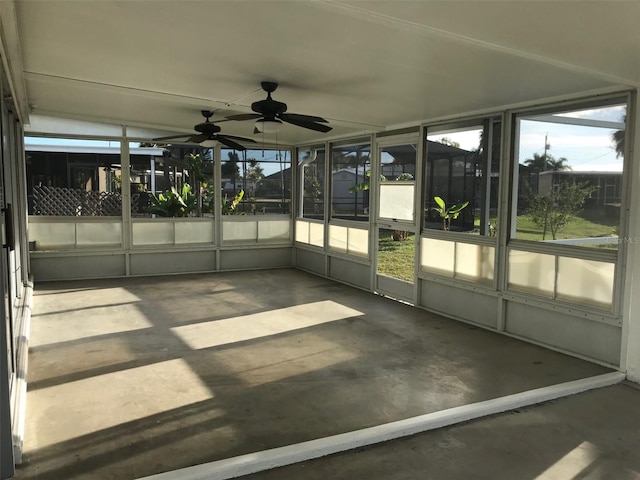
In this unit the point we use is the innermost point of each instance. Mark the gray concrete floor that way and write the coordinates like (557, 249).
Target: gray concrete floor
(591, 436)
(132, 377)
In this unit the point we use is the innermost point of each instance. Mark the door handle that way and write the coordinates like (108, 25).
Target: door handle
(9, 237)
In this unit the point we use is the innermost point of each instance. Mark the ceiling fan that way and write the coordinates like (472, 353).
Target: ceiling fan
(209, 135)
(270, 114)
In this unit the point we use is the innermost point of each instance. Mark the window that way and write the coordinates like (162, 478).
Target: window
(256, 181)
(68, 177)
(397, 181)
(350, 178)
(312, 164)
(171, 181)
(568, 176)
(462, 173)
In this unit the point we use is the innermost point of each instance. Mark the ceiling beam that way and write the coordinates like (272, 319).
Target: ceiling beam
(582, 122)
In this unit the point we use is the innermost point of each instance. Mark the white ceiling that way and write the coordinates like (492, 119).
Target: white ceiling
(363, 65)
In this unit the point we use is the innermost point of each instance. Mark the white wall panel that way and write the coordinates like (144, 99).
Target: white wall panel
(585, 281)
(338, 238)
(52, 235)
(274, 230)
(437, 256)
(239, 231)
(99, 234)
(358, 242)
(316, 234)
(532, 272)
(194, 232)
(474, 262)
(302, 231)
(157, 232)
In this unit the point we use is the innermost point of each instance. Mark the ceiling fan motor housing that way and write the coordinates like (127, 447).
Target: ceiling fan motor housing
(207, 128)
(269, 107)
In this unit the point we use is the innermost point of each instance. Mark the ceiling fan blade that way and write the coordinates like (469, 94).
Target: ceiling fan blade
(318, 127)
(197, 138)
(303, 118)
(171, 137)
(244, 116)
(234, 137)
(229, 143)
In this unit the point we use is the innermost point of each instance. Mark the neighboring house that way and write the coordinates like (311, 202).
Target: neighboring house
(608, 184)
(91, 169)
(344, 201)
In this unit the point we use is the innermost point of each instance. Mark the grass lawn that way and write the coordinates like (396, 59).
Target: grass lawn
(578, 227)
(396, 257)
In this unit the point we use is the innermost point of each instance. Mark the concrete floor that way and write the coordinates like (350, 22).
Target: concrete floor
(591, 436)
(133, 377)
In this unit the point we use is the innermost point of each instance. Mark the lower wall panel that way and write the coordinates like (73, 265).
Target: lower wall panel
(595, 340)
(77, 267)
(249, 258)
(310, 261)
(395, 288)
(459, 303)
(159, 263)
(353, 273)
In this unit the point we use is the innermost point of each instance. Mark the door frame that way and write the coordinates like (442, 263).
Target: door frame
(383, 284)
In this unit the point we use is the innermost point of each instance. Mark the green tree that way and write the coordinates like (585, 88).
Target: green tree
(196, 165)
(450, 142)
(254, 172)
(313, 194)
(230, 168)
(552, 212)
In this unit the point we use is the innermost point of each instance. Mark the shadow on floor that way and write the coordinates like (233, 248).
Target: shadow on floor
(138, 376)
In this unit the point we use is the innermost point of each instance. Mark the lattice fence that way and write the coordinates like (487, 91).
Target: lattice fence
(74, 202)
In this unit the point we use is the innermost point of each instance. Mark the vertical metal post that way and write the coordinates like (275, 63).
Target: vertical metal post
(125, 173)
(630, 351)
(153, 175)
(328, 196)
(507, 200)
(419, 194)
(217, 202)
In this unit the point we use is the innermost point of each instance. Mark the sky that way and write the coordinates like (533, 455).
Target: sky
(585, 148)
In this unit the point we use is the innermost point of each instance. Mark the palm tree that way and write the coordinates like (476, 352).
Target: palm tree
(538, 162)
(544, 162)
(618, 139)
(557, 164)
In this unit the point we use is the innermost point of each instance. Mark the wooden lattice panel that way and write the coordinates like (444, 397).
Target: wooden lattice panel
(74, 202)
